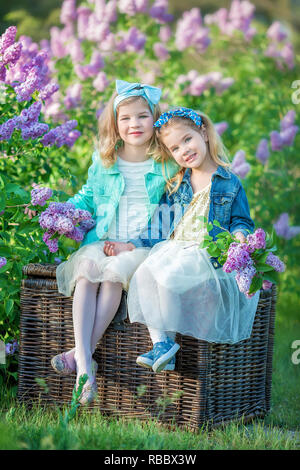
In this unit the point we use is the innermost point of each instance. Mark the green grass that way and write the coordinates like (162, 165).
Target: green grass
(40, 428)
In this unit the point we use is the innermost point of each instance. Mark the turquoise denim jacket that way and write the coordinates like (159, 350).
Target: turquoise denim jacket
(104, 187)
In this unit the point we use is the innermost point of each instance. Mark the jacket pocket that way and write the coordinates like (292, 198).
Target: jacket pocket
(222, 208)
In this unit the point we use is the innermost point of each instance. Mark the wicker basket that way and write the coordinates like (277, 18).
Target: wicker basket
(211, 384)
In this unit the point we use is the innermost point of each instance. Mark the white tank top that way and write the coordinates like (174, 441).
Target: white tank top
(133, 211)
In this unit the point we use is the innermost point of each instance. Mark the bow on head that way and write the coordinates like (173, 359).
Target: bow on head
(183, 112)
(125, 90)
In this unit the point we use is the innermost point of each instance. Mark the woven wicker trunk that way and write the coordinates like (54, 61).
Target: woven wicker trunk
(211, 384)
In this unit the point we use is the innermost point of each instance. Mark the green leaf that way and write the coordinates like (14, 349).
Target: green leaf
(272, 277)
(263, 268)
(256, 284)
(217, 223)
(8, 305)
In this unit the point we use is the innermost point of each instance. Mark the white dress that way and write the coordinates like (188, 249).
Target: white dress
(131, 217)
(177, 288)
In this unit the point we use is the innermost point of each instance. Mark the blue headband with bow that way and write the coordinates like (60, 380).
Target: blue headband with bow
(182, 112)
(125, 90)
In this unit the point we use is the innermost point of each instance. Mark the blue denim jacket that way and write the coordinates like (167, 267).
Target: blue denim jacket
(228, 205)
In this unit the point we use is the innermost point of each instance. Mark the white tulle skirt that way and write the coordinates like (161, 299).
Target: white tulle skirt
(92, 263)
(177, 289)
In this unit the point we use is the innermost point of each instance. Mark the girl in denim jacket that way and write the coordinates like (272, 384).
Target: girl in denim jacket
(179, 287)
(123, 189)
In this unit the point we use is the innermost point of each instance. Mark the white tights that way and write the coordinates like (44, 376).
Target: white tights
(92, 314)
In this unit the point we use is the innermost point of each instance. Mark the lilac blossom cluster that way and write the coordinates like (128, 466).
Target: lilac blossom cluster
(239, 164)
(3, 261)
(28, 67)
(197, 84)
(10, 51)
(237, 18)
(279, 47)
(278, 140)
(288, 131)
(39, 195)
(132, 7)
(191, 33)
(27, 122)
(62, 135)
(91, 69)
(283, 229)
(240, 259)
(130, 41)
(62, 219)
(11, 348)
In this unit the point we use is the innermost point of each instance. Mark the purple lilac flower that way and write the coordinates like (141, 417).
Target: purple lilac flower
(132, 7)
(288, 120)
(48, 90)
(257, 240)
(161, 51)
(100, 82)
(244, 278)
(75, 50)
(165, 33)
(287, 54)
(62, 135)
(288, 135)
(40, 195)
(131, 41)
(262, 151)
(276, 32)
(3, 261)
(276, 141)
(12, 54)
(32, 83)
(238, 256)
(73, 95)
(83, 14)
(159, 11)
(11, 348)
(2, 73)
(30, 115)
(283, 229)
(34, 131)
(7, 128)
(239, 165)
(52, 245)
(68, 11)
(63, 225)
(190, 31)
(221, 127)
(275, 262)
(223, 84)
(266, 284)
(7, 38)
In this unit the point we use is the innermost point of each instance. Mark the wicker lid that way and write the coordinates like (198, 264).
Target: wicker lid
(40, 270)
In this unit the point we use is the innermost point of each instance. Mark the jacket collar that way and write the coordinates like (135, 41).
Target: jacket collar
(220, 171)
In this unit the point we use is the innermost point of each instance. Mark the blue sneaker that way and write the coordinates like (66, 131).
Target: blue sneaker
(147, 359)
(163, 352)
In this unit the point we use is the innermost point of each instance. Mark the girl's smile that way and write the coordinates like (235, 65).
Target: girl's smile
(135, 123)
(187, 146)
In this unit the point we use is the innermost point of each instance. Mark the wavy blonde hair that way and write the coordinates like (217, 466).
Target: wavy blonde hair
(216, 147)
(108, 134)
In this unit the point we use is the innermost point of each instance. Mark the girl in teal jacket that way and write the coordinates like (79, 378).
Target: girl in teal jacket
(124, 187)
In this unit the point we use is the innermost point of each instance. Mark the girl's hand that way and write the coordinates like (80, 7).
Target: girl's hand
(114, 248)
(240, 236)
